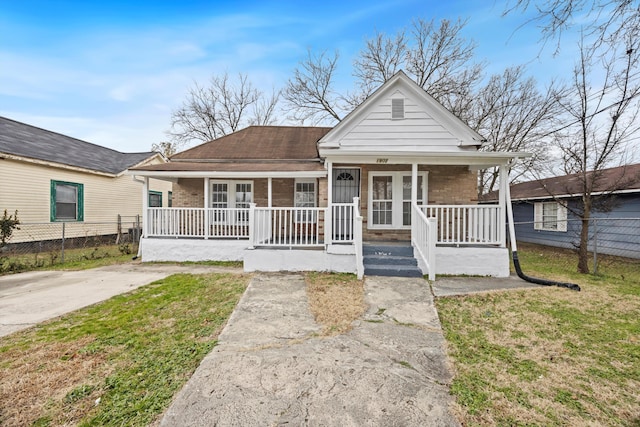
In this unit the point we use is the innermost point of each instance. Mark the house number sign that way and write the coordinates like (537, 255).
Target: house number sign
(382, 160)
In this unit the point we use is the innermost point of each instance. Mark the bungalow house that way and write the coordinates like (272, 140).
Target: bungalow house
(542, 211)
(394, 179)
(52, 178)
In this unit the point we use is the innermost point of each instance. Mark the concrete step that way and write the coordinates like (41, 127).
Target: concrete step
(370, 260)
(393, 270)
(393, 250)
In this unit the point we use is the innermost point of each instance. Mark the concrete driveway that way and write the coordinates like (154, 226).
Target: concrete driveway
(29, 298)
(271, 368)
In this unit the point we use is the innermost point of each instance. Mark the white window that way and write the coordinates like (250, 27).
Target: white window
(550, 216)
(390, 198)
(231, 194)
(305, 197)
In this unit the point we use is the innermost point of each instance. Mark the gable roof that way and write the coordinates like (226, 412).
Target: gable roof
(250, 152)
(23, 140)
(431, 126)
(622, 179)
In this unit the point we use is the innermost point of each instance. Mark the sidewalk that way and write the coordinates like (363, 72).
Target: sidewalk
(270, 368)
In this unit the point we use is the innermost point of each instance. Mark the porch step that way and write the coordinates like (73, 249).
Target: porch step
(390, 260)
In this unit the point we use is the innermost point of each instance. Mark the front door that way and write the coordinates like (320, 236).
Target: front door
(346, 186)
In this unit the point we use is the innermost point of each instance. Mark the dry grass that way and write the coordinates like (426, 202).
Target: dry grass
(118, 362)
(548, 356)
(335, 300)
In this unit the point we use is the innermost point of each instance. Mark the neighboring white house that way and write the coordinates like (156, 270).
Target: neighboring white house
(398, 168)
(49, 178)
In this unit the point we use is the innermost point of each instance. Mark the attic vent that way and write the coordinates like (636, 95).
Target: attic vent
(397, 108)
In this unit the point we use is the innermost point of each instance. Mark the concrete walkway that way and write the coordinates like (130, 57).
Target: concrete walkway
(270, 367)
(33, 297)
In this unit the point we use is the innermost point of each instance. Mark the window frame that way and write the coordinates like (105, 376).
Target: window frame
(542, 222)
(53, 215)
(154, 193)
(221, 217)
(397, 198)
(299, 217)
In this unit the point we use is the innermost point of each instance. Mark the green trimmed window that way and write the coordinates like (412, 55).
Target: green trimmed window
(67, 201)
(170, 199)
(155, 199)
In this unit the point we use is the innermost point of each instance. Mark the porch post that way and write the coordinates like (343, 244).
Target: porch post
(145, 207)
(207, 226)
(269, 192)
(502, 202)
(414, 190)
(328, 216)
(252, 225)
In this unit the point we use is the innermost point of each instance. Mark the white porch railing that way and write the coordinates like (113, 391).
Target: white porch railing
(198, 222)
(467, 224)
(343, 215)
(288, 227)
(423, 239)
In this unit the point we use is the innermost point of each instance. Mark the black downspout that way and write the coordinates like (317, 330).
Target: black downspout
(514, 249)
(516, 264)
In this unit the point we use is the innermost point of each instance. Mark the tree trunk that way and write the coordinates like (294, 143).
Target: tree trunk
(583, 250)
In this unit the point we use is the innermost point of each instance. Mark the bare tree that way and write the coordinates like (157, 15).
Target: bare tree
(514, 115)
(166, 148)
(310, 94)
(220, 108)
(602, 119)
(438, 58)
(604, 20)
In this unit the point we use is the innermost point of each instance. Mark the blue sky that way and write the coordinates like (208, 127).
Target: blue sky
(111, 72)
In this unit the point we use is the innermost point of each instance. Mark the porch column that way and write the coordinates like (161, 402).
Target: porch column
(269, 192)
(414, 190)
(145, 207)
(328, 216)
(207, 203)
(502, 202)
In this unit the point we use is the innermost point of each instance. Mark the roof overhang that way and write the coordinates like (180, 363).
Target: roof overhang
(172, 175)
(478, 159)
(51, 164)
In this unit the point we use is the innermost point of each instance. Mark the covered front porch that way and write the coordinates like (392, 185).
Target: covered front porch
(446, 238)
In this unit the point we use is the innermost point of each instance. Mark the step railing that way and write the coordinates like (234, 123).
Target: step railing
(423, 238)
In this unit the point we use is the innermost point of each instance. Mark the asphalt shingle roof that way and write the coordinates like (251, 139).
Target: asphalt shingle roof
(20, 139)
(260, 143)
(621, 178)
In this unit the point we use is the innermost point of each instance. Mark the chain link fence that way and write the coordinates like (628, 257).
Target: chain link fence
(34, 245)
(609, 238)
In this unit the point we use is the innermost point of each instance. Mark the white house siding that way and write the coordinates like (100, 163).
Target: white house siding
(26, 187)
(417, 129)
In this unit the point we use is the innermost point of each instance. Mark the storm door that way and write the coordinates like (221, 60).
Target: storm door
(346, 186)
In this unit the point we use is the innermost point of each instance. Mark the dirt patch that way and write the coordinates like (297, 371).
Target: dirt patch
(335, 300)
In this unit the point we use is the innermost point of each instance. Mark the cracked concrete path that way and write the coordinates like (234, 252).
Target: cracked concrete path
(271, 367)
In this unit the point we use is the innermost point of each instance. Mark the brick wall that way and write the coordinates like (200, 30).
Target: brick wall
(188, 193)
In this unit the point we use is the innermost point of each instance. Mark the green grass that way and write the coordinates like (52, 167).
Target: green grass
(549, 356)
(118, 362)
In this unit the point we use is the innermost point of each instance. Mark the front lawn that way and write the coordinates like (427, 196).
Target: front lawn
(549, 356)
(118, 362)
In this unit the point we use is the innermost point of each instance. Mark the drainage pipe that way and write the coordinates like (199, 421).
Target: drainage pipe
(514, 253)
